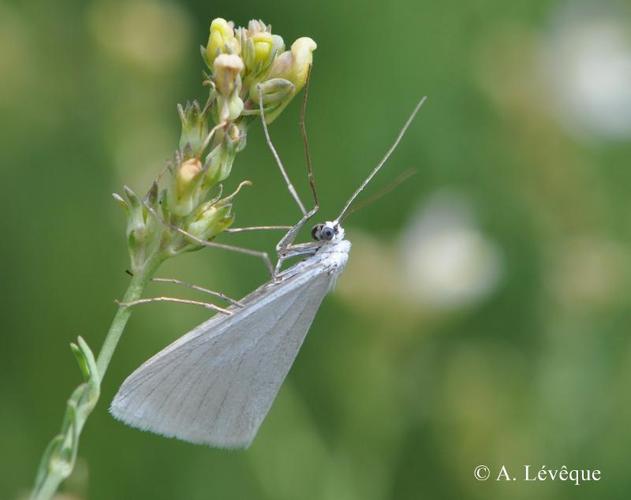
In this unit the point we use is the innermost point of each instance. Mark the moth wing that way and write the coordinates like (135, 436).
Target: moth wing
(216, 384)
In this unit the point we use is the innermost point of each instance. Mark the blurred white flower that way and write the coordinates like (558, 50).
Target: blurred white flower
(446, 260)
(586, 60)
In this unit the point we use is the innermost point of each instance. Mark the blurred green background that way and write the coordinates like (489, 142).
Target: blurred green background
(484, 314)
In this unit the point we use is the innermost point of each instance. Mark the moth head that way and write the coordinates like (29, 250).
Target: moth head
(327, 231)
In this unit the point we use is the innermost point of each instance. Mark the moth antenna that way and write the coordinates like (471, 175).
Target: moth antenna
(400, 179)
(383, 161)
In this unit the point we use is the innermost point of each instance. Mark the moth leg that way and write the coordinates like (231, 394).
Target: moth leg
(256, 228)
(150, 300)
(233, 248)
(299, 250)
(286, 241)
(211, 244)
(199, 289)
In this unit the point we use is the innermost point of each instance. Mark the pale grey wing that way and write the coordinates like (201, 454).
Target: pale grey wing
(216, 384)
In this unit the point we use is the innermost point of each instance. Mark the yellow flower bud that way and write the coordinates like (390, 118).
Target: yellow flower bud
(220, 40)
(226, 73)
(209, 220)
(286, 77)
(227, 77)
(182, 191)
(294, 65)
(187, 172)
(263, 43)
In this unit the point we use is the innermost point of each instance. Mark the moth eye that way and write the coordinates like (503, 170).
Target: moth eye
(327, 233)
(316, 232)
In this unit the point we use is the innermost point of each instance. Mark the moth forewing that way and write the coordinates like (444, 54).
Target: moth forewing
(216, 384)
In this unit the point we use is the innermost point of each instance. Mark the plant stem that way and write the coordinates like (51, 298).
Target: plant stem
(59, 457)
(134, 291)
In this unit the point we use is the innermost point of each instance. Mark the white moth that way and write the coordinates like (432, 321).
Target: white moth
(215, 384)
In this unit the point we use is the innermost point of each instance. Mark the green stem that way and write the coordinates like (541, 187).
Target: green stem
(134, 291)
(59, 457)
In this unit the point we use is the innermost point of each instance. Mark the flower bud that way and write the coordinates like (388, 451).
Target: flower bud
(273, 91)
(187, 173)
(232, 109)
(210, 219)
(294, 65)
(227, 77)
(259, 50)
(220, 40)
(262, 49)
(182, 193)
(291, 66)
(141, 228)
(256, 26)
(237, 136)
(278, 44)
(194, 129)
(227, 73)
(218, 163)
